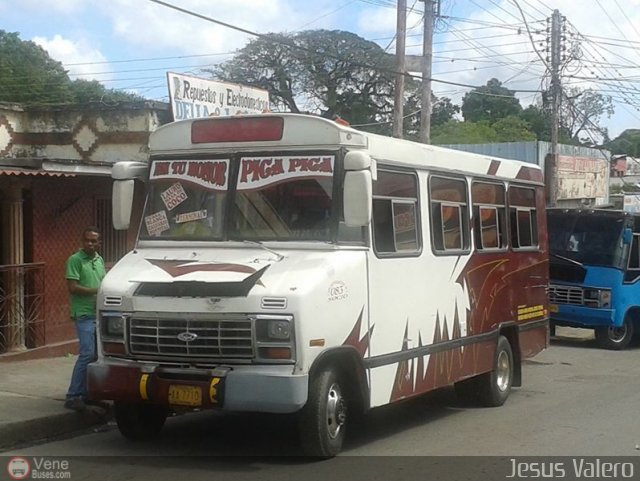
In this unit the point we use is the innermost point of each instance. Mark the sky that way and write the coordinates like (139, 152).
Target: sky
(131, 44)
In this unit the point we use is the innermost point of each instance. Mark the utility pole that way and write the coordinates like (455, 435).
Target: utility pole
(551, 169)
(427, 53)
(398, 98)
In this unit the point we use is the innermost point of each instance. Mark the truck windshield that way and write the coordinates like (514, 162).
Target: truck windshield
(590, 239)
(272, 198)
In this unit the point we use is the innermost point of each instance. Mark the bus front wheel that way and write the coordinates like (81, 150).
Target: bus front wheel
(615, 338)
(139, 422)
(322, 421)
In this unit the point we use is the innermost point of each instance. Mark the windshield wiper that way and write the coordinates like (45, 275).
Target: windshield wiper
(262, 246)
(567, 259)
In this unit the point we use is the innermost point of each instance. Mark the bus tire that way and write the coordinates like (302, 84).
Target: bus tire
(322, 420)
(615, 338)
(139, 422)
(495, 386)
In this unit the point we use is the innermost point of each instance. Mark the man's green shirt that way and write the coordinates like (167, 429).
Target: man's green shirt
(89, 272)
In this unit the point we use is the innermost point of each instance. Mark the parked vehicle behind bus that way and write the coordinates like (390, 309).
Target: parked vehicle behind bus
(289, 264)
(595, 272)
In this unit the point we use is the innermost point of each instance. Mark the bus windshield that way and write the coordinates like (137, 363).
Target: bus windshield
(272, 198)
(590, 239)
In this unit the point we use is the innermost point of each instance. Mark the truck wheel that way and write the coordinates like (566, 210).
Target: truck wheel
(615, 338)
(322, 421)
(139, 422)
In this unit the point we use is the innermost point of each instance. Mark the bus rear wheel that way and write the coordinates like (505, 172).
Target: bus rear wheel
(139, 422)
(615, 338)
(492, 388)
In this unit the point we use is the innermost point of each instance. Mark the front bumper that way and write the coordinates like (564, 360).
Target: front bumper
(272, 389)
(580, 316)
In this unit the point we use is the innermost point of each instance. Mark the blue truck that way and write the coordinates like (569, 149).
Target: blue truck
(594, 271)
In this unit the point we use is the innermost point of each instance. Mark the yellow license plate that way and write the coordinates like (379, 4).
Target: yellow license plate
(185, 395)
(553, 307)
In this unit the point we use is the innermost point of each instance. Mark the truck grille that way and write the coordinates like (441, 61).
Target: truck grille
(191, 338)
(566, 295)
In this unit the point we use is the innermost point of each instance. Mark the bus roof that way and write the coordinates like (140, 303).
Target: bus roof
(287, 131)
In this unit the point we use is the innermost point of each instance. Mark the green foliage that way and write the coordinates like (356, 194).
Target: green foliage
(29, 76)
(513, 129)
(628, 142)
(490, 102)
(456, 132)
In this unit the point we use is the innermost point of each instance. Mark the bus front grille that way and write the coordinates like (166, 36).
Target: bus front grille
(559, 294)
(161, 338)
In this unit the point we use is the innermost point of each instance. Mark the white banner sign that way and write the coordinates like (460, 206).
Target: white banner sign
(211, 174)
(193, 97)
(258, 172)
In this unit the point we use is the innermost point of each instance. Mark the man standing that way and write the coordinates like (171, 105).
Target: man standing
(84, 272)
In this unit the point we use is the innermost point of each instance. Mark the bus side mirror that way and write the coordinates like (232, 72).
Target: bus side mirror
(357, 198)
(123, 174)
(122, 203)
(627, 236)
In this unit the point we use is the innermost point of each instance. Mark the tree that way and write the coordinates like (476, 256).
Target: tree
(580, 114)
(443, 110)
(628, 142)
(513, 129)
(456, 132)
(539, 122)
(331, 73)
(29, 76)
(491, 102)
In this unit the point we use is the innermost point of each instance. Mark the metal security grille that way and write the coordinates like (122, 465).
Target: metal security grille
(191, 338)
(21, 307)
(566, 295)
(114, 242)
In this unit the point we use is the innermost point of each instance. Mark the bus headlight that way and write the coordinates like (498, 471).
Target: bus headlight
(113, 326)
(273, 330)
(275, 338)
(597, 297)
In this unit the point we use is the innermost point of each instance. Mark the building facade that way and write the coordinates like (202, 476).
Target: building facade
(55, 166)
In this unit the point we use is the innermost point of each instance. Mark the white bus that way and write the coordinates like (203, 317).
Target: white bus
(289, 264)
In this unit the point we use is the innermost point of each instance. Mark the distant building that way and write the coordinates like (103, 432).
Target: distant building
(618, 166)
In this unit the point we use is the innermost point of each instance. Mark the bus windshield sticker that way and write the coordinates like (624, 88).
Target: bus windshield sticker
(157, 223)
(210, 174)
(173, 196)
(259, 172)
(191, 216)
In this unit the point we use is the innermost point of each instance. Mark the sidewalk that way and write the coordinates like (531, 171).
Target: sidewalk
(32, 402)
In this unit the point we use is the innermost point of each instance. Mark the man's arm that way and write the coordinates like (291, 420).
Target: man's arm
(77, 289)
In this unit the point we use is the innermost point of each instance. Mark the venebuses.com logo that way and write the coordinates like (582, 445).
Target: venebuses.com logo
(18, 468)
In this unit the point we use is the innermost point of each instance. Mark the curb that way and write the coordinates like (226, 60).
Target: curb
(39, 429)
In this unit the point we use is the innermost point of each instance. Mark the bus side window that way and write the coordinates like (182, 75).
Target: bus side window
(395, 224)
(523, 218)
(489, 215)
(383, 226)
(449, 214)
(633, 270)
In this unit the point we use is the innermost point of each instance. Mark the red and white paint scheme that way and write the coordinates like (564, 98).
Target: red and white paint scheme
(287, 263)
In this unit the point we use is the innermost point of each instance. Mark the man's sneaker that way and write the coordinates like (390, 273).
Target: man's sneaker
(75, 403)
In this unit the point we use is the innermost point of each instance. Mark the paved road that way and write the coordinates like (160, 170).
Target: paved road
(577, 400)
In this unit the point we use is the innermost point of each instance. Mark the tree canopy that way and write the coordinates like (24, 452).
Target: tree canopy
(490, 102)
(28, 75)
